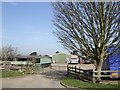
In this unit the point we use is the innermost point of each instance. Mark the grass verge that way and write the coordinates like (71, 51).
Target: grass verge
(5, 74)
(26, 71)
(80, 84)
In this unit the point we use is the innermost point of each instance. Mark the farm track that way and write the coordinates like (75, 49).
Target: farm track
(45, 78)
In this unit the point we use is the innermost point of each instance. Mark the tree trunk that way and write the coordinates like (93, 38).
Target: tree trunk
(99, 68)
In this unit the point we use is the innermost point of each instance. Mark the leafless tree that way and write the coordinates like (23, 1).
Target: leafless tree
(90, 28)
(8, 52)
(33, 56)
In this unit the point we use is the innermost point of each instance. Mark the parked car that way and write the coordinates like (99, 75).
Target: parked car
(74, 59)
(87, 62)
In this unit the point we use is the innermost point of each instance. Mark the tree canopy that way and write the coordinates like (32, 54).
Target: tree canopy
(90, 28)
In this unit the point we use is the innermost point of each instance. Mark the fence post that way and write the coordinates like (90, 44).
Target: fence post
(75, 72)
(79, 73)
(83, 75)
(75, 69)
(68, 70)
(94, 76)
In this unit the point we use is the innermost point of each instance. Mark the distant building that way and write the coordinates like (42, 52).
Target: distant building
(60, 57)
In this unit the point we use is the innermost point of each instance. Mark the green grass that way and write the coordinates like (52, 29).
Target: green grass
(80, 84)
(6, 74)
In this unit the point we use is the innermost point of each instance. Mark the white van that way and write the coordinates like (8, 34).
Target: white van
(74, 59)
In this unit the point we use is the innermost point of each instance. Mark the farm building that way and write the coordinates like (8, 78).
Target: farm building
(43, 61)
(61, 57)
(113, 62)
(29, 60)
(22, 60)
(18, 60)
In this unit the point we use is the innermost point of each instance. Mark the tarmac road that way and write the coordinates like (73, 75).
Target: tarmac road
(31, 81)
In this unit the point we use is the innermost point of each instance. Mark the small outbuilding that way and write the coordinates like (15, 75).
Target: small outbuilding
(43, 61)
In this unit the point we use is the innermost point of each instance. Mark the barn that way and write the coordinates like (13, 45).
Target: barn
(61, 57)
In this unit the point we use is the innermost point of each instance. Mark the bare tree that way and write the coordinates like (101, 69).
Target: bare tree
(33, 56)
(90, 28)
(8, 52)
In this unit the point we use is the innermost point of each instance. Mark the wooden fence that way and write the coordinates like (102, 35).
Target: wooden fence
(87, 75)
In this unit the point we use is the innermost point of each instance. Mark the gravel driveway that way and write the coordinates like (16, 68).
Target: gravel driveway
(31, 81)
(46, 78)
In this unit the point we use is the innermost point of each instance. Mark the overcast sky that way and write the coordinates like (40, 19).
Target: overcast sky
(28, 26)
